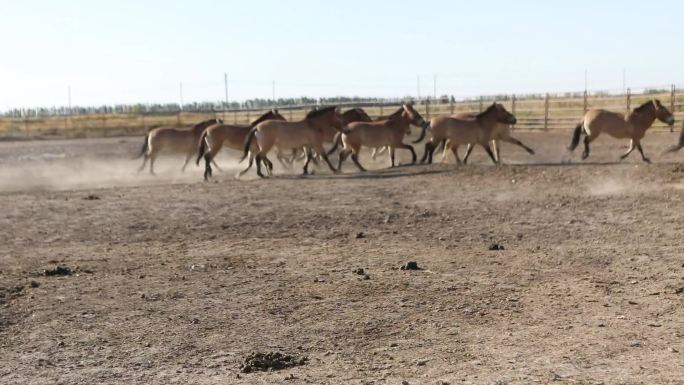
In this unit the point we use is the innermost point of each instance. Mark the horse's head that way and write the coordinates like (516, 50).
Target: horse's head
(502, 115)
(662, 113)
(413, 117)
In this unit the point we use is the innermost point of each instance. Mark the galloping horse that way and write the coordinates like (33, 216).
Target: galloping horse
(173, 140)
(306, 133)
(632, 125)
(388, 132)
(470, 130)
(216, 136)
(500, 132)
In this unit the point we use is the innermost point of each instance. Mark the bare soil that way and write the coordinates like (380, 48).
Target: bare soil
(173, 280)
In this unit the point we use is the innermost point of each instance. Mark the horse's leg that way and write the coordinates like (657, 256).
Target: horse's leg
(153, 157)
(355, 158)
(429, 150)
(207, 165)
(308, 159)
(374, 153)
(489, 152)
(344, 153)
(587, 139)
(446, 147)
(320, 150)
(414, 157)
(495, 146)
(268, 164)
(187, 160)
(251, 161)
(391, 154)
(629, 151)
(142, 167)
(641, 151)
(454, 150)
(469, 149)
(515, 141)
(258, 165)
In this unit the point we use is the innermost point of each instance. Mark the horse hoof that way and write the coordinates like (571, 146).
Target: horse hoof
(647, 160)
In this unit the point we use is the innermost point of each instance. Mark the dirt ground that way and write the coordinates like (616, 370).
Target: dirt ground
(177, 281)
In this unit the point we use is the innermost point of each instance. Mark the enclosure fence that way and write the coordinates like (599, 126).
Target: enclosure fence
(546, 112)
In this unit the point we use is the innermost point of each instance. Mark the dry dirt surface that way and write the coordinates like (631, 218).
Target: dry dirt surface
(545, 269)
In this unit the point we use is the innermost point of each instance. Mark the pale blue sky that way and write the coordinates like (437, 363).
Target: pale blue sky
(138, 51)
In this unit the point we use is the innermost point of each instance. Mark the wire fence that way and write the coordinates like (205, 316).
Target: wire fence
(545, 112)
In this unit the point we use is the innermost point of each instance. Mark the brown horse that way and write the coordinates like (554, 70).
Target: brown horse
(350, 116)
(173, 140)
(216, 136)
(388, 132)
(306, 133)
(477, 129)
(501, 132)
(632, 125)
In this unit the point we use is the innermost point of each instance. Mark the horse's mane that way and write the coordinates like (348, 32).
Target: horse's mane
(319, 112)
(357, 110)
(206, 123)
(485, 112)
(265, 116)
(396, 113)
(644, 106)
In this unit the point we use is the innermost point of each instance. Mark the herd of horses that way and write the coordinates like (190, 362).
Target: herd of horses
(355, 129)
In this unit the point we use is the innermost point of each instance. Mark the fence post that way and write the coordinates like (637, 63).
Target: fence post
(178, 119)
(235, 117)
(104, 122)
(248, 119)
(290, 114)
(628, 97)
(672, 104)
(381, 111)
(451, 104)
(481, 104)
(142, 121)
(586, 101)
(546, 112)
(427, 107)
(513, 104)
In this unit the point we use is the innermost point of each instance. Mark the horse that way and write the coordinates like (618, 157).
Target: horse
(632, 125)
(389, 132)
(173, 140)
(501, 132)
(350, 116)
(477, 129)
(306, 133)
(216, 136)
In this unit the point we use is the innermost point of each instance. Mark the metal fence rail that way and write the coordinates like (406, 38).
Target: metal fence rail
(546, 112)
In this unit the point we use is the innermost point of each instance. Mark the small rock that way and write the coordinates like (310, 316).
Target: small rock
(673, 350)
(421, 362)
(410, 265)
(679, 290)
(57, 271)
(359, 271)
(34, 284)
(404, 382)
(496, 247)
(366, 277)
(360, 235)
(91, 197)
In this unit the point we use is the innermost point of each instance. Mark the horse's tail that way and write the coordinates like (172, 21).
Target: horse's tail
(248, 143)
(576, 136)
(679, 144)
(424, 129)
(143, 151)
(202, 147)
(336, 142)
